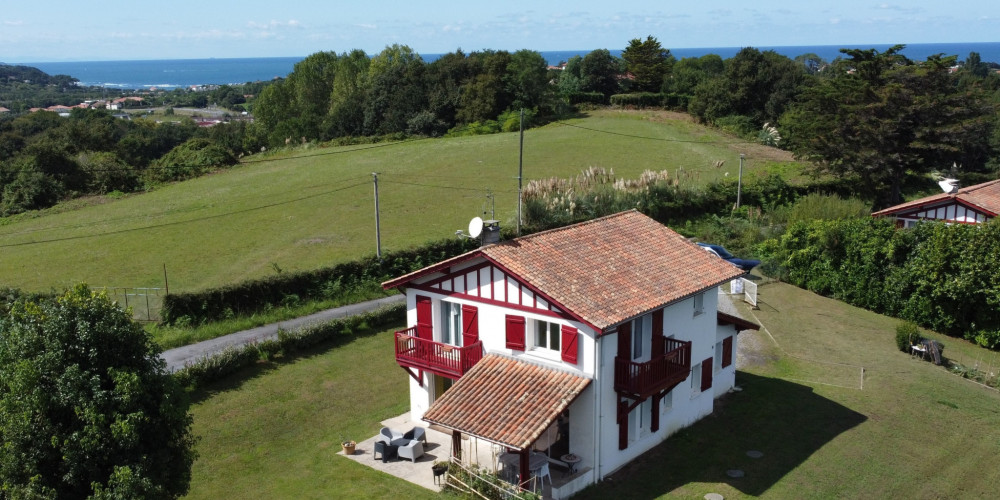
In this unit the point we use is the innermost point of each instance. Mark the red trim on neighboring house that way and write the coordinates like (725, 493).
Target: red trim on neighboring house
(570, 344)
(470, 324)
(706, 374)
(515, 332)
(727, 351)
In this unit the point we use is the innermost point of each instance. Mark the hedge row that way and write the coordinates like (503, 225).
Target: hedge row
(588, 97)
(943, 277)
(249, 297)
(236, 358)
(651, 100)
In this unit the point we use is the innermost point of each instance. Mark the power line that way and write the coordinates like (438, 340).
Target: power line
(478, 190)
(145, 216)
(177, 223)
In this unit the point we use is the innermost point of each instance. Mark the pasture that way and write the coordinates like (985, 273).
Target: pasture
(314, 206)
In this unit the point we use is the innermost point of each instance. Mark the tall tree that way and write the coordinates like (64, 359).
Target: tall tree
(87, 407)
(648, 62)
(600, 71)
(880, 116)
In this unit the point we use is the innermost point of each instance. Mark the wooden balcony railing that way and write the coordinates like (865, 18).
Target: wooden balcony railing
(435, 357)
(663, 371)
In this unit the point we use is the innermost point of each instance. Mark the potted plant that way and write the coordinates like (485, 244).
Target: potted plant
(349, 446)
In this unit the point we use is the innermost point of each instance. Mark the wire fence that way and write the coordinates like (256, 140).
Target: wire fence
(145, 303)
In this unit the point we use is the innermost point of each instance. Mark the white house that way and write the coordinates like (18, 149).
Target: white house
(971, 205)
(601, 339)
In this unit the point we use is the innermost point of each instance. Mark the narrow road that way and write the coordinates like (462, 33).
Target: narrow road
(177, 357)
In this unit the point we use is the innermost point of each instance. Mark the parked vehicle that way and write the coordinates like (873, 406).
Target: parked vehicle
(744, 264)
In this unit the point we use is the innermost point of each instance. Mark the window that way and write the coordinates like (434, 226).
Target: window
(546, 335)
(642, 418)
(696, 380)
(642, 329)
(451, 323)
(667, 403)
(699, 304)
(718, 358)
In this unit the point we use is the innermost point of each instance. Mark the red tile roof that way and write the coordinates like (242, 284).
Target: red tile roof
(985, 196)
(506, 401)
(607, 270)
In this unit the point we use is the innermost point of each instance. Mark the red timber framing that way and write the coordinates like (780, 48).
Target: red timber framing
(636, 382)
(491, 283)
(414, 352)
(955, 212)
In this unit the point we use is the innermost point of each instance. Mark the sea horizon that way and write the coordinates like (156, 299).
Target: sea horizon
(176, 73)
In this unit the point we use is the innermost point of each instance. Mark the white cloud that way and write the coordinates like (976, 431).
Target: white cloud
(367, 26)
(273, 24)
(14, 23)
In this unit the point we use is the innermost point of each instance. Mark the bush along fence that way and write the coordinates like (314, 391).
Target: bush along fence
(235, 358)
(252, 296)
(943, 277)
(662, 195)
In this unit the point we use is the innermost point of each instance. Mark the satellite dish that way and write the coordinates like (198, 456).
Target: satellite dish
(475, 227)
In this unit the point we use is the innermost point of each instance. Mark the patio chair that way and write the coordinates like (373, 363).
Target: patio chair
(412, 450)
(387, 435)
(417, 433)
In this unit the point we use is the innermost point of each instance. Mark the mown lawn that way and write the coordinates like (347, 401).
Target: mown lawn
(914, 430)
(275, 432)
(315, 207)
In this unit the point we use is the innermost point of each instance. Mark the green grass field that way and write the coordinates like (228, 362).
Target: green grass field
(914, 430)
(315, 207)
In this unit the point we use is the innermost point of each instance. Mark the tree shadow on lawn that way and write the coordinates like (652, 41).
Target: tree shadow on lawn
(785, 421)
(263, 367)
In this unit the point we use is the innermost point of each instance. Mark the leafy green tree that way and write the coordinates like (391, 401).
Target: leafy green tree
(757, 85)
(689, 72)
(600, 71)
(86, 405)
(648, 62)
(193, 158)
(395, 90)
(486, 94)
(811, 62)
(106, 173)
(880, 116)
(527, 79)
(346, 115)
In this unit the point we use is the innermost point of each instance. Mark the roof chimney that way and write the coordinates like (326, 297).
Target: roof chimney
(491, 232)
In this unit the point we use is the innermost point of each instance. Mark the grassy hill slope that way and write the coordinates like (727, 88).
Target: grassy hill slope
(314, 208)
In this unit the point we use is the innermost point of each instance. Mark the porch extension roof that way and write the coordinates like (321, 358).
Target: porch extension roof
(506, 401)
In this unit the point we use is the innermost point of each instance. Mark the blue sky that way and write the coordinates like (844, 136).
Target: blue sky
(71, 30)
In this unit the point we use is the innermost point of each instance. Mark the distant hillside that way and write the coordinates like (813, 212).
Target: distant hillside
(31, 75)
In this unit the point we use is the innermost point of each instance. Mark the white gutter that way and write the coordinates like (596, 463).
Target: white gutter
(597, 404)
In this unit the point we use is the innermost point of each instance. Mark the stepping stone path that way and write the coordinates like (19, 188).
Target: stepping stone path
(714, 496)
(734, 473)
(754, 454)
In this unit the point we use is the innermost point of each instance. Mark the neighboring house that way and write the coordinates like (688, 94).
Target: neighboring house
(4, 110)
(606, 336)
(971, 205)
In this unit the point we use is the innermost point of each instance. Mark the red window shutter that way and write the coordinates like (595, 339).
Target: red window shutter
(625, 340)
(570, 344)
(727, 352)
(470, 325)
(706, 374)
(425, 324)
(657, 340)
(622, 425)
(515, 332)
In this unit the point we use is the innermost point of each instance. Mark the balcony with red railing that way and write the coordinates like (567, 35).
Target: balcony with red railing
(664, 371)
(442, 359)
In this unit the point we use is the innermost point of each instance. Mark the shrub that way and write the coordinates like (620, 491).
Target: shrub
(638, 100)
(191, 159)
(907, 334)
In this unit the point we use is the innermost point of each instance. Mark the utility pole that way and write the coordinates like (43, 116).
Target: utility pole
(739, 183)
(520, 169)
(378, 235)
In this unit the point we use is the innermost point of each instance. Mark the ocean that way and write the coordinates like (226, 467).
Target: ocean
(173, 73)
